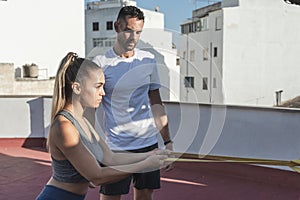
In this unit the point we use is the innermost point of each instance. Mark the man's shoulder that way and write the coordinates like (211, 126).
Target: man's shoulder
(102, 60)
(144, 54)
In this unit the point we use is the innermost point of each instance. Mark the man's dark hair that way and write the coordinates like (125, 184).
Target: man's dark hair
(132, 12)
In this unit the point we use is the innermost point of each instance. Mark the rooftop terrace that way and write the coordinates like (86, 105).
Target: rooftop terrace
(25, 170)
(251, 132)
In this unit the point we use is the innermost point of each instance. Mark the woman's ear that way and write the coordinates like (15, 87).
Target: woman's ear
(76, 88)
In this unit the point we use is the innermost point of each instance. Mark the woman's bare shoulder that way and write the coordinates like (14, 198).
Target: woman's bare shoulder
(64, 133)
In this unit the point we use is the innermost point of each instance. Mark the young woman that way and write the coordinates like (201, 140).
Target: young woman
(79, 156)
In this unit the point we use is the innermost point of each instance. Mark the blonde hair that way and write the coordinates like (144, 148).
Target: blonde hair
(71, 69)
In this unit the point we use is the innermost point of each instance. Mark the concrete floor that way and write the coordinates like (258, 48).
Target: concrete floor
(24, 171)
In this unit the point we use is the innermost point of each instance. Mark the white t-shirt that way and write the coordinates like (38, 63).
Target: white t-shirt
(128, 120)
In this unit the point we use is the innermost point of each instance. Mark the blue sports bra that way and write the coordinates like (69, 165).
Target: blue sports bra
(63, 170)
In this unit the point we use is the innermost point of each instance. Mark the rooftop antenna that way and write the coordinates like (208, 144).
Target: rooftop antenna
(208, 2)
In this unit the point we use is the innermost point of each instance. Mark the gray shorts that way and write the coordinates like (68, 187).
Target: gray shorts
(148, 180)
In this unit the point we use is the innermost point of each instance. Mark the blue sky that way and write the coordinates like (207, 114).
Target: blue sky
(176, 11)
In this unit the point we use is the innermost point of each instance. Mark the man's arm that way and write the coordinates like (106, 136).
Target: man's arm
(161, 119)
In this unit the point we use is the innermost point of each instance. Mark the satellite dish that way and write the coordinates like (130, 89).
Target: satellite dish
(156, 8)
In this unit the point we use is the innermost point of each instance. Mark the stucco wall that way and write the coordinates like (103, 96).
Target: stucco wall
(254, 132)
(41, 32)
(261, 41)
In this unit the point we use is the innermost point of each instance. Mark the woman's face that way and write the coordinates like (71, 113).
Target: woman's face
(92, 89)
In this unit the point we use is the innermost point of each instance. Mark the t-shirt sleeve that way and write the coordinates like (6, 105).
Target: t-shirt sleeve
(154, 79)
(96, 60)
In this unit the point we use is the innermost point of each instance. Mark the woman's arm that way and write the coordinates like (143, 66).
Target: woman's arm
(67, 140)
(113, 159)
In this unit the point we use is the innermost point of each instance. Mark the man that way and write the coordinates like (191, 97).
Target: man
(134, 113)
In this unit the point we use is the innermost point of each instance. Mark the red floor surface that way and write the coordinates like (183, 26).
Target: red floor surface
(24, 172)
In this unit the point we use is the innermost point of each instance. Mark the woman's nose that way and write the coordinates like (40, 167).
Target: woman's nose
(102, 92)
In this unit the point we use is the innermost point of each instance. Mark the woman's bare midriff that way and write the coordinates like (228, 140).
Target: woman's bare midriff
(77, 188)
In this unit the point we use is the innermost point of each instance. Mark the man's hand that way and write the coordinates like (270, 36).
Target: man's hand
(170, 166)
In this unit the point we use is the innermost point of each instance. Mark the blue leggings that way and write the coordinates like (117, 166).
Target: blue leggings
(51, 192)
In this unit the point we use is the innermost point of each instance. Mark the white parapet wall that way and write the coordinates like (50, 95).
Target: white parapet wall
(24, 116)
(239, 131)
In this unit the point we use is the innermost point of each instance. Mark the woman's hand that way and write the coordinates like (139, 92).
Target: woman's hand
(167, 165)
(155, 161)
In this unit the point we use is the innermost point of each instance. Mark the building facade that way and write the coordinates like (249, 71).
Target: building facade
(41, 32)
(201, 57)
(100, 36)
(246, 51)
(37, 34)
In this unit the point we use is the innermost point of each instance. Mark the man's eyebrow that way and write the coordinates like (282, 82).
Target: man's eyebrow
(128, 29)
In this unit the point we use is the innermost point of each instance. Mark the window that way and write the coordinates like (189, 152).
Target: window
(184, 28)
(214, 83)
(191, 27)
(192, 55)
(109, 25)
(109, 43)
(205, 83)
(177, 61)
(215, 51)
(95, 26)
(97, 42)
(198, 26)
(189, 82)
(218, 23)
(204, 24)
(183, 55)
(205, 54)
(103, 42)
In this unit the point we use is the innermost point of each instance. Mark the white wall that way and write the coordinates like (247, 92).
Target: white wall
(238, 131)
(24, 117)
(41, 31)
(153, 19)
(253, 132)
(261, 45)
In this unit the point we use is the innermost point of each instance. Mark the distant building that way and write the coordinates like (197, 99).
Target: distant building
(40, 32)
(100, 36)
(241, 52)
(29, 85)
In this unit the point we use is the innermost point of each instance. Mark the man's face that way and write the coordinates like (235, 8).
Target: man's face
(129, 32)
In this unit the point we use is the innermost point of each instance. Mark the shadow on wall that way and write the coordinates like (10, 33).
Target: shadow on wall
(37, 126)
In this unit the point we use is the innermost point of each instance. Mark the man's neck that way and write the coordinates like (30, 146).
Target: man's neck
(123, 54)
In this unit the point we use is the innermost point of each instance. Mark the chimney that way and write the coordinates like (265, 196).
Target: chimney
(278, 97)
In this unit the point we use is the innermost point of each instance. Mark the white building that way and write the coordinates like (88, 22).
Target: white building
(100, 36)
(241, 52)
(40, 32)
